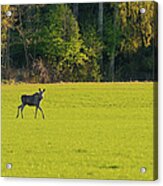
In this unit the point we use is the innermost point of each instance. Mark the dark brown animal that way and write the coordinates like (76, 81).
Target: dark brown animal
(32, 100)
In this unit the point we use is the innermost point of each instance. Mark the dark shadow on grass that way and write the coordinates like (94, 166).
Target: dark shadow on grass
(109, 167)
(81, 151)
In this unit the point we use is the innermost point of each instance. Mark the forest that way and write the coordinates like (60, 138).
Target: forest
(80, 42)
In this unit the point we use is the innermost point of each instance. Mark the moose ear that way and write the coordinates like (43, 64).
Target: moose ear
(39, 89)
(43, 90)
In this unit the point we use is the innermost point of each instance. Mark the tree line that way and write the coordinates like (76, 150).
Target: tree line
(88, 42)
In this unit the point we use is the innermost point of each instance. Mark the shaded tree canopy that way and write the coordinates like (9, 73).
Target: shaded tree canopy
(79, 42)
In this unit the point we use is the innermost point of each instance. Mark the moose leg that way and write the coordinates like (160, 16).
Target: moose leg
(41, 112)
(36, 112)
(22, 110)
(18, 111)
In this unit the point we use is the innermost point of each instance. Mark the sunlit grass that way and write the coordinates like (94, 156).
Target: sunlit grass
(91, 130)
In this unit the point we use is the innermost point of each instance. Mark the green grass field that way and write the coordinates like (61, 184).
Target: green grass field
(91, 130)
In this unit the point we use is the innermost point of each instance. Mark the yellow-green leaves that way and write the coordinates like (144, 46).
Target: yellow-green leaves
(138, 29)
(7, 22)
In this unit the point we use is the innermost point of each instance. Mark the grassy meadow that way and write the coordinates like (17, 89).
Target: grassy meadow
(90, 130)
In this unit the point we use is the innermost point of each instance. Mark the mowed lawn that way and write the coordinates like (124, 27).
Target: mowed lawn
(91, 130)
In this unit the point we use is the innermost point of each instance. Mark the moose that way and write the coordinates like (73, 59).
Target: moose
(32, 100)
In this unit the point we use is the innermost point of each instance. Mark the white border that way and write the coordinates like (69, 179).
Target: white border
(74, 182)
(59, 1)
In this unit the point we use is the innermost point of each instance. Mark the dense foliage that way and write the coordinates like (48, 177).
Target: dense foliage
(79, 42)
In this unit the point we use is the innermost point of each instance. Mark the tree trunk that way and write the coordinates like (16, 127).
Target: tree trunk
(100, 30)
(112, 62)
(112, 65)
(76, 10)
(22, 34)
